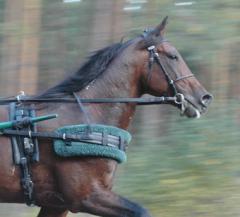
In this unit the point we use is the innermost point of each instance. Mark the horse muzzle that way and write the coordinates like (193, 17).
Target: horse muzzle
(189, 106)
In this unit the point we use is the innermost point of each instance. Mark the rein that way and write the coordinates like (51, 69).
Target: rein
(139, 101)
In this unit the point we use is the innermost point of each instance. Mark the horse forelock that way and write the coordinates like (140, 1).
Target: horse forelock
(93, 68)
(151, 40)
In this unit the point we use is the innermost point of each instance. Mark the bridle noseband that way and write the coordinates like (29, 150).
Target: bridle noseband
(154, 57)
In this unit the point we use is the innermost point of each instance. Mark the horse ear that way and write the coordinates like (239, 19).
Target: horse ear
(149, 35)
(160, 29)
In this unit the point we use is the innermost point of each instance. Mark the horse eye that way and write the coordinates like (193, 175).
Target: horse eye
(172, 57)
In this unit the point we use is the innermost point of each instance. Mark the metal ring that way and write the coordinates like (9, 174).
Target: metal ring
(179, 98)
(156, 54)
(151, 48)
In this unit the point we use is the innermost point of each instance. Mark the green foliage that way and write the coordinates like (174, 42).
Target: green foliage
(190, 171)
(64, 37)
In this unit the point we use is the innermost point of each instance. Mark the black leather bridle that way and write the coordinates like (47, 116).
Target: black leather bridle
(154, 57)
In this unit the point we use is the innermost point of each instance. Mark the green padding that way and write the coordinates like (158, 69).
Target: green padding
(74, 149)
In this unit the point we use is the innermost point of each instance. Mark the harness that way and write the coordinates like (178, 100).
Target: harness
(24, 135)
(103, 141)
(25, 149)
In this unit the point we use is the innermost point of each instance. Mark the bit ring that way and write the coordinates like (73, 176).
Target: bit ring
(179, 98)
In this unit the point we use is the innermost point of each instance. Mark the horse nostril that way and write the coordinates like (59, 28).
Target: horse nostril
(206, 99)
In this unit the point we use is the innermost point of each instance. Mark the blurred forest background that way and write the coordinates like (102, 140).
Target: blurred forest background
(176, 166)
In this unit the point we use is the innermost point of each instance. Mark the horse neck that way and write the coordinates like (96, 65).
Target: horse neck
(119, 80)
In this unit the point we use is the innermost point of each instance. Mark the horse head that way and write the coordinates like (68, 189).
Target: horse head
(165, 73)
(147, 64)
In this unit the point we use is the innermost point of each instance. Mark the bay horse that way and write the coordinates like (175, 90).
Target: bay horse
(146, 64)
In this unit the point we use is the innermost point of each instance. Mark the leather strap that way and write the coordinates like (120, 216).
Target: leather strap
(138, 101)
(93, 137)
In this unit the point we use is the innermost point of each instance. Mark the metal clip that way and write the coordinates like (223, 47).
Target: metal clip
(150, 48)
(18, 97)
(28, 145)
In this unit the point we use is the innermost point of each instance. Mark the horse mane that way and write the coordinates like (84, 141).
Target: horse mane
(94, 67)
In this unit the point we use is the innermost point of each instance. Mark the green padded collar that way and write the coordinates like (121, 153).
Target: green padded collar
(81, 149)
